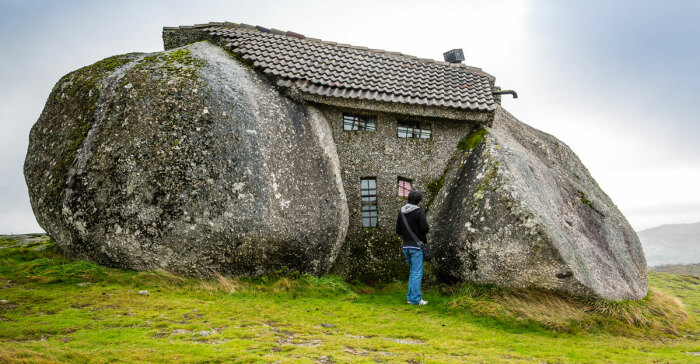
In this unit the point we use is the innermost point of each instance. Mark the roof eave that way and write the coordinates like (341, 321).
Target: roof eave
(467, 115)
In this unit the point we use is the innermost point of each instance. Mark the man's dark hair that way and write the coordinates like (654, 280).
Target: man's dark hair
(414, 197)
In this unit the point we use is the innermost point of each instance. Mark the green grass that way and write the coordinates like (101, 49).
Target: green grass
(63, 310)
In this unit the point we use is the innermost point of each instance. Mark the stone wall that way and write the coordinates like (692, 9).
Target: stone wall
(180, 36)
(374, 254)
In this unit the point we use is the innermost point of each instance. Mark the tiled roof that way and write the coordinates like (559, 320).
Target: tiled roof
(330, 69)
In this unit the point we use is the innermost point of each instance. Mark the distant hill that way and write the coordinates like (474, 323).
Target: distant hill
(671, 244)
(689, 269)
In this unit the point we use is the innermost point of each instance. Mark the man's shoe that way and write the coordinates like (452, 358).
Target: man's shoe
(421, 303)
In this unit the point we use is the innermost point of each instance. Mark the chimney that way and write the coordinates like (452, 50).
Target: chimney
(454, 56)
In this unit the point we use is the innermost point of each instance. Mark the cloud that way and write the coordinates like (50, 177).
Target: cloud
(617, 82)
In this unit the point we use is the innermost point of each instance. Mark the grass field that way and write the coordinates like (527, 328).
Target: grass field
(55, 309)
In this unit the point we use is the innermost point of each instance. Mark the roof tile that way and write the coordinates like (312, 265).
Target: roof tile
(341, 70)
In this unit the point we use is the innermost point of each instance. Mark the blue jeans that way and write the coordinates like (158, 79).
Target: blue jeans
(414, 257)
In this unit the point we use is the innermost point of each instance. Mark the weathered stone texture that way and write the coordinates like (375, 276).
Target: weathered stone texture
(521, 210)
(179, 37)
(187, 161)
(374, 254)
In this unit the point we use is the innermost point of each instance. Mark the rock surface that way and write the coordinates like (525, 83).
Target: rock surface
(187, 161)
(521, 210)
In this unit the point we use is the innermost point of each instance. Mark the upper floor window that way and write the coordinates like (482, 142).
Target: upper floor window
(404, 186)
(358, 123)
(409, 129)
(368, 188)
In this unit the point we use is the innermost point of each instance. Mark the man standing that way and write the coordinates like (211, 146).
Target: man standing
(415, 218)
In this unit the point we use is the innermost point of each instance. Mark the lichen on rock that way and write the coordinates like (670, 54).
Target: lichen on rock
(513, 212)
(187, 161)
(191, 160)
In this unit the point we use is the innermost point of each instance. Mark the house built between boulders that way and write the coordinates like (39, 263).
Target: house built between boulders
(243, 150)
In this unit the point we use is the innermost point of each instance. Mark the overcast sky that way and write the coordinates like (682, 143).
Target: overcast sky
(618, 81)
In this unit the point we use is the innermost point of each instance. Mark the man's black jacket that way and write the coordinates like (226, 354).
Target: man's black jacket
(418, 223)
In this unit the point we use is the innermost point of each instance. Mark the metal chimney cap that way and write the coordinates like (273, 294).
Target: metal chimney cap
(454, 56)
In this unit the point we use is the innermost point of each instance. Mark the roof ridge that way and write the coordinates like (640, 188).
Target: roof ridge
(325, 71)
(300, 36)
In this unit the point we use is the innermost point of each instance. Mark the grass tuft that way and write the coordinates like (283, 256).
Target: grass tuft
(220, 284)
(656, 313)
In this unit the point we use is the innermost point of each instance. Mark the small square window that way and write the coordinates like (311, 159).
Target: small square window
(413, 130)
(368, 192)
(358, 123)
(404, 186)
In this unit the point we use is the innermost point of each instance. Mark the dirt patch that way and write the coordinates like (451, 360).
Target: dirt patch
(323, 359)
(359, 336)
(407, 341)
(353, 351)
(308, 344)
(160, 334)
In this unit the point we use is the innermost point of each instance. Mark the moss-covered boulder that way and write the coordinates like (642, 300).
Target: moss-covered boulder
(188, 161)
(519, 209)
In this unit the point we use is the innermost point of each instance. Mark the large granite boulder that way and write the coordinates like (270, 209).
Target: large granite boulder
(519, 209)
(187, 161)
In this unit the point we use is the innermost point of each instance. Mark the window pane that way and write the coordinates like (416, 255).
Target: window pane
(369, 195)
(371, 125)
(403, 130)
(358, 123)
(350, 122)
(404, 187)
(425, 131)
(368, 202)
(413, 130)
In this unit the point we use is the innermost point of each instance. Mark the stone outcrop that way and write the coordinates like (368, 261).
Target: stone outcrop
(519, 209)
(188, 161)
